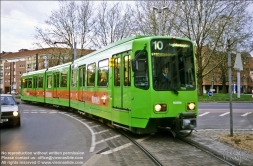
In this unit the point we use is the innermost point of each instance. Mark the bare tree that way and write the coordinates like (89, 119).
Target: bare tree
(113, 22)
(148, 20)
(198, 21)
(71, 23)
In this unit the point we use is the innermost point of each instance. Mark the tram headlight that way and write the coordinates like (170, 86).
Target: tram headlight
(160, 107)
(191, 106)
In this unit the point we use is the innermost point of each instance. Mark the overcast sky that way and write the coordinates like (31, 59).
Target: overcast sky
(19, 19)
(18, 22)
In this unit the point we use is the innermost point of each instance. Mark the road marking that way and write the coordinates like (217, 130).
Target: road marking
(101, 131)
(93, 139)
(224, 114)
(26, 112)
(107, 139)
(95, 126)
(34, 112)
(117, 149)
(246, 114)
(204, 114)
(52, 112)
(123, 146)
(43, 112)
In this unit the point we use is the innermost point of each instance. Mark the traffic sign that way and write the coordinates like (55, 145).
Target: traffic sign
(210, 93)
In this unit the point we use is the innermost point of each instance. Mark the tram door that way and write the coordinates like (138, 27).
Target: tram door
(82, 71)
(122, 81)
(56, 84)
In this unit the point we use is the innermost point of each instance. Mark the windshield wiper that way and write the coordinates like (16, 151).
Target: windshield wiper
(174, 90)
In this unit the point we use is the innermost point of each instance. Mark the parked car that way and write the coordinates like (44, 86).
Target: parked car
(10, 112)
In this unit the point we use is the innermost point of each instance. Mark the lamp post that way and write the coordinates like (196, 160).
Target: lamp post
(159, 10)
(74, 58)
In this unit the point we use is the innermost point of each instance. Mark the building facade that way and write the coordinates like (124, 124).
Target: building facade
(214, 79)
(13, 65)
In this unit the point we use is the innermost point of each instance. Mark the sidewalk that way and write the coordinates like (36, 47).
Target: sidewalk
(209, 139)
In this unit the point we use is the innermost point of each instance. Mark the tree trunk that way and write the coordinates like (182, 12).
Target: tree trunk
(200, 87)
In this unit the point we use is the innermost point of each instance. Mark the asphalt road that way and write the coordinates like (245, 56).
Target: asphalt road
(46, 135)
(217, 116)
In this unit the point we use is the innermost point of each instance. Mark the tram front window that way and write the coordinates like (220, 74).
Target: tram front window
(172, 65)
(141, 79)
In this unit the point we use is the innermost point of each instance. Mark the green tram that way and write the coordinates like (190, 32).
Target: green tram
(140, 84)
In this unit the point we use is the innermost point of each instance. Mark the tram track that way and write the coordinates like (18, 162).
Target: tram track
(153, 157)
(145, 151)
(206, 151)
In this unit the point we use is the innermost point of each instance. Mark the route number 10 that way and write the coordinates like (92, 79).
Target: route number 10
(158, 45)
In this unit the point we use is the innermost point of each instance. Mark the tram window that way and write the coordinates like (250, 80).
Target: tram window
(103, 72)
(26, 83)
(49, 81)
(127, 72)
(63, 80)
(74, 77)
(40, 82)
(117, 72)
(141, 79)
(56, 80)
(91, 68)
(29, 83)
(81, 79)
(35, 82)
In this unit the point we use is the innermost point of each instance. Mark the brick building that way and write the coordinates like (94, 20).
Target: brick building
(13, 65)
(246, 80)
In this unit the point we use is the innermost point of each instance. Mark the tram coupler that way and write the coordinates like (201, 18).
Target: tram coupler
(186, 121)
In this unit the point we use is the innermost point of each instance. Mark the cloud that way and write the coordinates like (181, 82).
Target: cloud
(18, 22)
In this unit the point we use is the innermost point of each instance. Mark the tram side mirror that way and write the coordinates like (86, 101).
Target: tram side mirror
(135, 65)
(138, 65)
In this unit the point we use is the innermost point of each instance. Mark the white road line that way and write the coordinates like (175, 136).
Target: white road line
(34, 112)
(123, 146)
(26, 112)
(107, 139)
(52, 112)
(224, 114)
(93, 139)
(95, 126)
(101, 131)
(204, 114)
(43, 112)
(246, 114)
(117, 149)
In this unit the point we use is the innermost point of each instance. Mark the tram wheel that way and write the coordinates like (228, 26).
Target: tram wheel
(184, 133)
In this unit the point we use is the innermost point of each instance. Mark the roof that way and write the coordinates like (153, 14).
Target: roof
(25, 52)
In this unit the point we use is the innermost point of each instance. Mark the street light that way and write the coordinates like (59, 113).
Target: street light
(159, 10)
(74, 58)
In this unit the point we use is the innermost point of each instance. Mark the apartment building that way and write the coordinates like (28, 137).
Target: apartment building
(13, 65)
